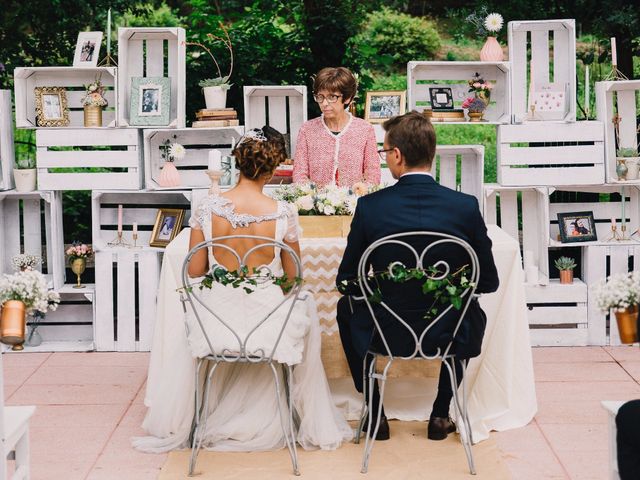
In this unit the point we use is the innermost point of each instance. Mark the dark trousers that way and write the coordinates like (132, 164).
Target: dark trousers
(355, 361)
(628, 440)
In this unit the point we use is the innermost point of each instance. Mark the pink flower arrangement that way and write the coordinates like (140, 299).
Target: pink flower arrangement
(95, 95)
(478, 84)
(79, 250)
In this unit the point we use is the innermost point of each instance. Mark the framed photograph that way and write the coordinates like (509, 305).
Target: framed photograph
(168, 225)
(51, 107)
(87, 49)
(549, 101)
(150, 101)
(441, 98)
(381, 106)
(577, 227)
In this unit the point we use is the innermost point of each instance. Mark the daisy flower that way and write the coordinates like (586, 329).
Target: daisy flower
(493, 22)
(177, 151)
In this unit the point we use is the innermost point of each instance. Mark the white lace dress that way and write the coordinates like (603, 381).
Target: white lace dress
(243, 412)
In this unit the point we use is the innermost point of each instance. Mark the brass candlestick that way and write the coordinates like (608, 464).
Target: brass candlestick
(118, 242)
(215, 176)
(614, 234)
(135, 241)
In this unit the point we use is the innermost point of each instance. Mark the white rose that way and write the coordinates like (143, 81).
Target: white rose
(329, 210)
(305, 203)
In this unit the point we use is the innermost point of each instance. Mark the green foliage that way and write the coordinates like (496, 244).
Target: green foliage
(565, 263)
(76, 218)
(472, 135)
(627, 152)
(148, 15)
(25, 163)
(215, 82)
(248, 281)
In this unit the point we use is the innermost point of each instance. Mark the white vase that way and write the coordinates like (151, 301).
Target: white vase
(169, 176)
(25, 179)
(215, 97)
(491, 51)
(633, 166)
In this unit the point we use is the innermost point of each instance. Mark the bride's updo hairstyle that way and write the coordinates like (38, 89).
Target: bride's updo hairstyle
(259, 152)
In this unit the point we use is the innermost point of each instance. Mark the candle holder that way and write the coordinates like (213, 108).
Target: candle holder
(107, 61)
(615, 74)
(215, 176)
(135, 242)
(623, 229)
(118, 241)
(615, 236)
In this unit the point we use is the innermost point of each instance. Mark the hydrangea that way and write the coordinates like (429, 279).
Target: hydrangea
(618, 292)
(29, 287)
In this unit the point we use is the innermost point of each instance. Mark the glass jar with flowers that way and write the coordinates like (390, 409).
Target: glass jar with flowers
(171, 151)
(93, 103)
(621, 293)
(78, 254)
(488, 25)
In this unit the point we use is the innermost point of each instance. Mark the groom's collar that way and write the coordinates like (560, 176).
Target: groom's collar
(416, 177)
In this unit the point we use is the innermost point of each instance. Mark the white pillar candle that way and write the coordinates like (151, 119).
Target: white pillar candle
(215, 160)
(586, 90)
(119, 218)
(135, 228)
(614, 54)
(109, 33)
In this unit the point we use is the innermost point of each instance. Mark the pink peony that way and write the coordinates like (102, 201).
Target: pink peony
(477, 85)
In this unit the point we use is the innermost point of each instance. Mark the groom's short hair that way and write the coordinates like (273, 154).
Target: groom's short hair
(414, 136)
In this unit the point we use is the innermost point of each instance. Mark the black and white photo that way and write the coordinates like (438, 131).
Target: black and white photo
(381, 106)
(87, 49)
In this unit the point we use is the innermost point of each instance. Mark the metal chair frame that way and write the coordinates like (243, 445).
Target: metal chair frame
(259, 356)
(446, 355)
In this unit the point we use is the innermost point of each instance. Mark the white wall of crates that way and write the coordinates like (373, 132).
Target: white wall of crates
(535, 159)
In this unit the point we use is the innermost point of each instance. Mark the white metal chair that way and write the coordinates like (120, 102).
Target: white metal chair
(239, 352)
(14, 436)
(428, 242)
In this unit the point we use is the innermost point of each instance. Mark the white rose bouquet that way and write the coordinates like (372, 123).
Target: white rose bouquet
(330, 200)
(617, 292)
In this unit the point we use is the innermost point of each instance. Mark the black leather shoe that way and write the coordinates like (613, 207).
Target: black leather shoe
(383, 430)
(439, 428)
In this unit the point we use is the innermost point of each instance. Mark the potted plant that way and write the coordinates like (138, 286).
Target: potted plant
(93, 103)
(488, 25)
(475, 108)
(215, 89)
(621, 293)
(169, 175)
(24, 175)
(628, 163)
(78, 254)
(565, 266)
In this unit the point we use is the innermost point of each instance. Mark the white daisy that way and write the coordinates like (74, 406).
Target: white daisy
(177, 151)
(493, 22)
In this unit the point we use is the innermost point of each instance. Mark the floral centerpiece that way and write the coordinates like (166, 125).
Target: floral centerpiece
(171, 151)
(475, 108)
(488, 25)
(93, 103)
(480, 87)
(25, 261)
(78, 253)
(621, 293)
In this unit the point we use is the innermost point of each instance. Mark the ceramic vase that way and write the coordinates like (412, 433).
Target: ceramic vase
(169, 176)
(25, 179)
(627, 321)
(215, 98)
(491, 51)
(633, 168)
(621, 169)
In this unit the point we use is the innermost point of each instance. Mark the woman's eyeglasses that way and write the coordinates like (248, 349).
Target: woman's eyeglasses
(328, 98)
(383, 153)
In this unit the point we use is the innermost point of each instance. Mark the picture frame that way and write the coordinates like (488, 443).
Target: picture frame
(52, 109)
(549, 101)
(150, 101)
(441, 98)
(382, 105)
(87, 49)
(577, 227)
(166, 227)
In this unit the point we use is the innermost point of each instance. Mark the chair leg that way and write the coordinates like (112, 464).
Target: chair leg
(201, 428)
(291, 442)
(464, 427)
(363, 411)
(382, 377)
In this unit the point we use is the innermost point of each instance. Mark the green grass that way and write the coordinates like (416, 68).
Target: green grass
(472, 135)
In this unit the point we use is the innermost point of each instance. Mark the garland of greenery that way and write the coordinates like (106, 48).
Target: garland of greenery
(245, 279)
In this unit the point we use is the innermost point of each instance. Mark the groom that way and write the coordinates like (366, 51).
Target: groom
(416, 203)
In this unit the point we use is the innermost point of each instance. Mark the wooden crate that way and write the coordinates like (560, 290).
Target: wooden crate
(117, 151)
(22, 231)
(7, 153)
(557, 314)
(197, 142)
(423, 75)
(619, 97)
(551, 44)
(461, 167)
(523, 213)
(551, 153)
(126, 298)
(281, 107)
(73, 79)
(140, 207)
(152, 52)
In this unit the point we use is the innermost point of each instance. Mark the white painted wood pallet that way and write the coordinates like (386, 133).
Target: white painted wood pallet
(551, 44)
(197, 142)
(422, 75)
(461, 168)
(7, 153)
(619, 97)
(22, 231)
(73, 79)
(152, 52)
(551, 153)
(118, 151)
(282, 107)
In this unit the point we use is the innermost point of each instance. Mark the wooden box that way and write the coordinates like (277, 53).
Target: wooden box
(423, 75)
(461, 168)
(281, 107)
(551, 153)
(325, 226)
(197, 143)
(7, 153)
(73, 79)
(152, 52)
(116, 152)
(551, 45)
(619, 97)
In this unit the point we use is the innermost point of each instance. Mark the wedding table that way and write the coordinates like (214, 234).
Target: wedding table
(500, 381)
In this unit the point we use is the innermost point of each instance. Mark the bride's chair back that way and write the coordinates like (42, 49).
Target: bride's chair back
(232, 339)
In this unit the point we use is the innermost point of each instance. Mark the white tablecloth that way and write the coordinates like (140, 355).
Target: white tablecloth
(500, 380)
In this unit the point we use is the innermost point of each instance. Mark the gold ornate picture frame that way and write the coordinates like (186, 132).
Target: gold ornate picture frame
(51, 107)
(167, 225)
(381, 106)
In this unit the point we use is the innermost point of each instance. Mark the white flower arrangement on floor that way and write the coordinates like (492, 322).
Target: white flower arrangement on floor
(29, 287)
(618, 292)
(330, 200)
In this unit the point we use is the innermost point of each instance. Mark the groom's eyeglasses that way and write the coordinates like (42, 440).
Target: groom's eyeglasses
(383, 153)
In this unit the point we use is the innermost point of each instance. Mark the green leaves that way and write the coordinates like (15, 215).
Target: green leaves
(246, 279)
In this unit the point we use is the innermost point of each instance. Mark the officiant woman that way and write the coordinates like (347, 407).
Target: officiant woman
(336, 148)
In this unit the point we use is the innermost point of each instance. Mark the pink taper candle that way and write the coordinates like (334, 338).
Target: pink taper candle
(119, 218)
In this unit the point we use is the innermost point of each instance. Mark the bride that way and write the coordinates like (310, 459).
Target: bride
(243, 413)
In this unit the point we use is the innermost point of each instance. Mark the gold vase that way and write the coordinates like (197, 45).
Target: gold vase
(628, 324)
(13, 324)
(77, 266)
(484, 95)
(566, 277)
(92, 116)
(476, 116)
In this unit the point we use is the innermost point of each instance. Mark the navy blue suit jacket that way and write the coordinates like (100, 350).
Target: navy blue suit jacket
(417, 203)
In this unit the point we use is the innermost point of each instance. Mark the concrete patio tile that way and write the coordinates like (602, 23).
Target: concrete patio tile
(133, 416)
(579, 372)
(527, 438)
(139, 400)
(123, 472)
(18, 374)
(61, 470)
(570, 392)
(84, 444)
(105, 359)
(576, 437)
(574, 354)
(632, 368)
(73, 395)
(624, 353)
(590, 411)
(532, 465)
(64, 416)
(88, 375)
(8, 391)
(21, 358)
(586, 465)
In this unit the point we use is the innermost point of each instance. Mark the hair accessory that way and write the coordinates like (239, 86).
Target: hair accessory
(255, 134)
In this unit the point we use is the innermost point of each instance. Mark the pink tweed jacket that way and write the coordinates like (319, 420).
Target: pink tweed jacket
(350, 155)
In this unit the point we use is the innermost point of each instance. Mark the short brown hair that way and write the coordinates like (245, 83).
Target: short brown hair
(414, 136)
(257, 158)
(338, 79)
